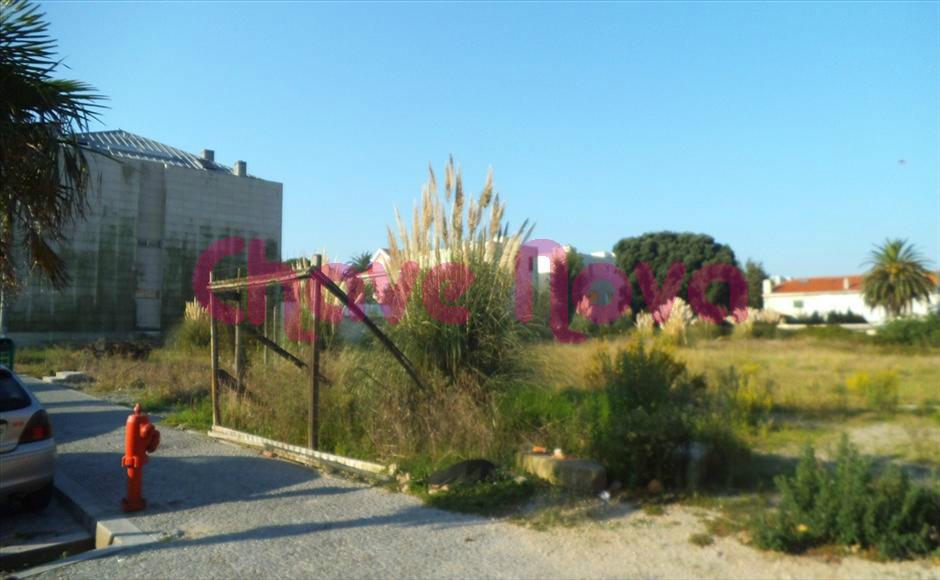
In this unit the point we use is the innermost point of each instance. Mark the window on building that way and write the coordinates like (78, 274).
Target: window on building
(798, 304)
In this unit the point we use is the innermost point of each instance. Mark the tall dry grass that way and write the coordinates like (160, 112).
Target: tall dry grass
(166, 378)
(450, 227)
(455, 228)
(676, 324)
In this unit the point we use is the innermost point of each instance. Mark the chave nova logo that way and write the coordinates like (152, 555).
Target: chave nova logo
(443, 285)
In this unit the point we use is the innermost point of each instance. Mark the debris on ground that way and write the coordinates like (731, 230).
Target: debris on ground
(464, 473)
(132, 349)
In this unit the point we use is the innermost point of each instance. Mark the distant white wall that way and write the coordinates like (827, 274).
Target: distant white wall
(804, 304)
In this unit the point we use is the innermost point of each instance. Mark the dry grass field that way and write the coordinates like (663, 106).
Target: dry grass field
(811, 383)
(809, 374)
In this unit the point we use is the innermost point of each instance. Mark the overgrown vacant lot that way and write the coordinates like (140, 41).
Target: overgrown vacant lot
(774, 397)
(809, 374)
(815, 400)
(816, 395)
(811, 382)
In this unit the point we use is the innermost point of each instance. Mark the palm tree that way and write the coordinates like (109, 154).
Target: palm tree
(361, 261)
(43, 171)
(897, 278)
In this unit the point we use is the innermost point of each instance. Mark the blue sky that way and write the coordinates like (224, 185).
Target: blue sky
(775, 128)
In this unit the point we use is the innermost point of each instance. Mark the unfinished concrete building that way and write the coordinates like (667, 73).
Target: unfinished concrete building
(153, 209)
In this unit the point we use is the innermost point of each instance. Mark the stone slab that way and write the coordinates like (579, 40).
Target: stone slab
(580, 475)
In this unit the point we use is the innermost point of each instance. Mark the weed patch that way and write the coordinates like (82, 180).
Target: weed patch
(197, 417)
(701, 539)
(879, 389)
(921, 332)
(498, 498)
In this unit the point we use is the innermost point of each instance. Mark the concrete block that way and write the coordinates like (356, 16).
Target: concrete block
(581, 475)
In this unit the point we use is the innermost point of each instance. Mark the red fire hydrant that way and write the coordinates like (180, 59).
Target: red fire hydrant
(140, 438)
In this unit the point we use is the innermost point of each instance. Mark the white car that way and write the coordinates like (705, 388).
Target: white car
(27, 449)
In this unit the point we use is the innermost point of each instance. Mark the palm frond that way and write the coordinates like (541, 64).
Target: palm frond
(43, 169)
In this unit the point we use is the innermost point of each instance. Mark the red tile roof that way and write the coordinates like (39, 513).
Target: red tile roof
(821, 284)
(825, 284)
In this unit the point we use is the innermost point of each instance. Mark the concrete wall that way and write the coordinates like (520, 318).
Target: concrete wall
(800, 304)
(202, 207)
(131, 261)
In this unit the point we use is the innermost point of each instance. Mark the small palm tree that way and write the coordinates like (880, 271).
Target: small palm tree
(361, 261)
(897, 278)
(43, 171)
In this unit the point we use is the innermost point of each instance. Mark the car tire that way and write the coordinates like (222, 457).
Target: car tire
(37, 500)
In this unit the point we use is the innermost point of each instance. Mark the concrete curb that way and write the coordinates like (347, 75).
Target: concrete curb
(111, 533)
(106, 529)
(302, 455)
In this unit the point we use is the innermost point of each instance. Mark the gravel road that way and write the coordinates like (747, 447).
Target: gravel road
(228, 512)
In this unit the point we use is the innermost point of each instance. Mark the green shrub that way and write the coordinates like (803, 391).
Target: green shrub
(192, 335)
(849, 505)
(880, 390)
(847, 317)
(923, 332)
(641, 420)
(638, 413)
(812, 319)
(835, 333)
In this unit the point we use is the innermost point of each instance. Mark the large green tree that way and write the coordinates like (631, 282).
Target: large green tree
(755, 275)
(43, 171)
(898, 276)
(661, 249)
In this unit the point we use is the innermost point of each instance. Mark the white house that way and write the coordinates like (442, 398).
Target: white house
(801, 297)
